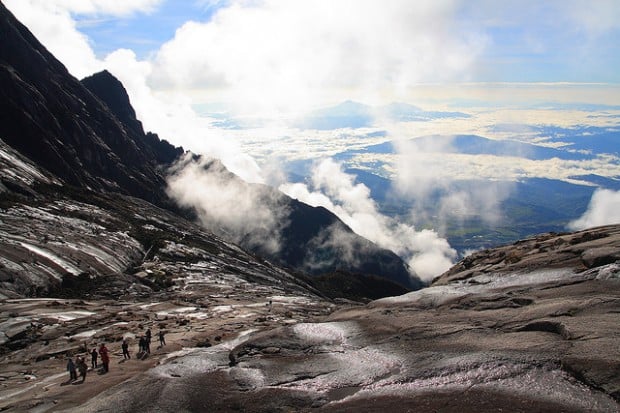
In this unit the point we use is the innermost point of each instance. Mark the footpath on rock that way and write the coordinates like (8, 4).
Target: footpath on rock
(34, 378)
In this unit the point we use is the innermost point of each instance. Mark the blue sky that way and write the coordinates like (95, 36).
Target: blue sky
(142, 32)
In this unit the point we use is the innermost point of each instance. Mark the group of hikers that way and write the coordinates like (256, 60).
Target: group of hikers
(144, 348)
(144, 344)
(80, 364)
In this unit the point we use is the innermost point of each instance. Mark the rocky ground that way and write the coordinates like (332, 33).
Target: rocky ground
(510, 329)
(200, 314)
(79, 268)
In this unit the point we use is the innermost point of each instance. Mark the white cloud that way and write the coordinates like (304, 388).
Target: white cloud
(227, 205)
(281, 54)
(172, 117)
(604, 209)
(56, 29)
(54, 26)
(425, 174)
(426, 253)
(417, 174)
(118, 8)
(595, 18)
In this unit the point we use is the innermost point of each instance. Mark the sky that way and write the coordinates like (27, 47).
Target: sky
(235, 79)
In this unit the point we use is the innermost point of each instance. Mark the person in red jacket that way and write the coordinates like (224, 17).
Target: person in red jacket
(105, 358)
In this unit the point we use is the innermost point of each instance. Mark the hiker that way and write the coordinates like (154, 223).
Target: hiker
(71, 370)
(105, 358)
(93, 358)
(82, 367)
(147, 347)
(162, 340)
(142, 345)
(125, 348)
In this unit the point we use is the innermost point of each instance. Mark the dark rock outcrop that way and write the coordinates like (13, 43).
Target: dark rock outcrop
(111, 91)
(309, 239)
(51, 118)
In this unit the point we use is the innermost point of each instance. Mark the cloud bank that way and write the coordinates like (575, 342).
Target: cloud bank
(227, 205)
(604, 209)
(421, 174)
(426, 253)
(282, 55)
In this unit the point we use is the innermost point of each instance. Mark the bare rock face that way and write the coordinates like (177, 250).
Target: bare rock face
(576, 251)
(51, 118)
(543, 339)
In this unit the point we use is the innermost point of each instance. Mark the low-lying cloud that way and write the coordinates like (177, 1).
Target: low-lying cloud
(421, 177)
(604, 209)
(425, 251)
(227, 205)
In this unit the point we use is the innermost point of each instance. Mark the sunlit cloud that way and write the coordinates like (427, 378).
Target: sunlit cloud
(285, 56)
(53, 23)
(604, 209)
(425, 251)
(228, 205)
(485, 167)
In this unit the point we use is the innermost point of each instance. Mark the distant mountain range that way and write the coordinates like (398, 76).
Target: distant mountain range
(478, 145)
(350, 114)
(531, 206)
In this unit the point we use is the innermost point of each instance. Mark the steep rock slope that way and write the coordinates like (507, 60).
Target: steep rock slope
(50, 117)
(274, 225)
(111, 91)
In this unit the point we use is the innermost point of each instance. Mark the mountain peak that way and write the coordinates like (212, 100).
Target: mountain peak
(88, 138)
(110, 90)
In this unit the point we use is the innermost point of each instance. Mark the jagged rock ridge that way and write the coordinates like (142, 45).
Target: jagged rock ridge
(51, 118)
(111, 91)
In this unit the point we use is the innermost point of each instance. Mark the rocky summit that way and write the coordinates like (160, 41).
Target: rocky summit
(93, 252)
